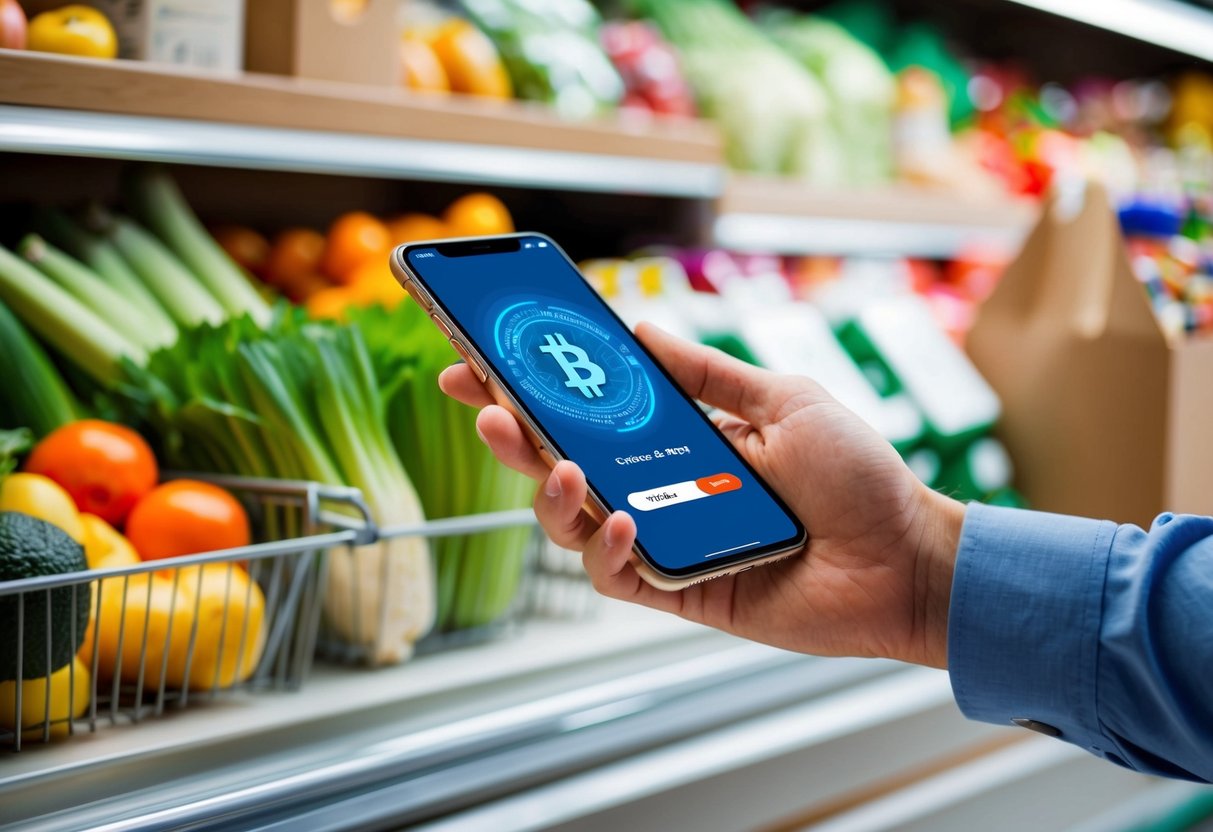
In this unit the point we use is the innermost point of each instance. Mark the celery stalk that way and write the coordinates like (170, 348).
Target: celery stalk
(62, 321)
(161, 206)
(103, 258)
(177, 290)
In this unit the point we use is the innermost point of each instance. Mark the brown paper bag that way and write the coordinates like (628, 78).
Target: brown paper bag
(1103, 417)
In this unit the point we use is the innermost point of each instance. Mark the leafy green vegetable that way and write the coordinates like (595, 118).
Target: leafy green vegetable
(13, 443)
(773, 113)
(478, 575)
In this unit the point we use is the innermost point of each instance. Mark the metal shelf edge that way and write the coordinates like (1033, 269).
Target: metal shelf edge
(144, 138)
(857, 236)
(1168, 23)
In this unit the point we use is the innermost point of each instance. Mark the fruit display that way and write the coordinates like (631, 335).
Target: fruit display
(346, 266)
(181, 627)
(219, 379)
(74, 29)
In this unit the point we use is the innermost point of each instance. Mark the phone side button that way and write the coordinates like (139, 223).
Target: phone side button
(470, 361)
(441, 326)
(418, 294)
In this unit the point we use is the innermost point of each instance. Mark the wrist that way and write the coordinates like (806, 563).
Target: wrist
(940, 520)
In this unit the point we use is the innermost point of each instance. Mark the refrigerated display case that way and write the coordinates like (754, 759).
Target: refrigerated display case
(591, 714)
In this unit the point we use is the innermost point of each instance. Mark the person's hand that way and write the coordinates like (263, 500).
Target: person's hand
(876, 577)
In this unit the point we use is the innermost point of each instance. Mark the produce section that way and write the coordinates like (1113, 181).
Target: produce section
(197, 258)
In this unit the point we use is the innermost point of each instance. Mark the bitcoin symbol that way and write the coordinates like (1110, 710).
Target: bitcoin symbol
(590, 385)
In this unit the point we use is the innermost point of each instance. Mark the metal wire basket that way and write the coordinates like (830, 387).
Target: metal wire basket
(482, 568)
(167, 633)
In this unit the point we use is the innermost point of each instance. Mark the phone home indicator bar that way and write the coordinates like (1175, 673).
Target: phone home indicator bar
(683, 492)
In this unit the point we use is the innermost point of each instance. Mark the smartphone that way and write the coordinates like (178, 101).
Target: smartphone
(552, 352)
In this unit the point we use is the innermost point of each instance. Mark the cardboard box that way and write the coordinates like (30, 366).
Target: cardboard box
(203, 33)
(335, 40)
(1103, 416)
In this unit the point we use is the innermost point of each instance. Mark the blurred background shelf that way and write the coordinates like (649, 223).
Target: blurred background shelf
(1183, 27)
(790, 217)
(129, 110)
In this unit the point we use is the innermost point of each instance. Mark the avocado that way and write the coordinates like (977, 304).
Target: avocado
(30, 547)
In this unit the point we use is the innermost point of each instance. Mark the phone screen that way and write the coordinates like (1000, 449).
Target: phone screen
(603, 402)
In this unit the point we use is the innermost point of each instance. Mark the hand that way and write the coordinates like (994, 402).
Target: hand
(876, 577)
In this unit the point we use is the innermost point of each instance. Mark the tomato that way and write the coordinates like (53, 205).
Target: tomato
(353, 239)
(184, 517)
(106, 468)
(478, 215)
(410, 228)
(247, 247)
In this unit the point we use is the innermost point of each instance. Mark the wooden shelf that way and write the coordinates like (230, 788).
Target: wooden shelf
(128, 109)
(766, 214)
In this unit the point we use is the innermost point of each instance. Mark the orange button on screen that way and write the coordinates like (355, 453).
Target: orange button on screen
(718, 483)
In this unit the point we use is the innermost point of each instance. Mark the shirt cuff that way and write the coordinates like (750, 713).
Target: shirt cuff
(1023, 626)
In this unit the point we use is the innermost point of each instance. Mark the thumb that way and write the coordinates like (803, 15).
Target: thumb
(717, 379)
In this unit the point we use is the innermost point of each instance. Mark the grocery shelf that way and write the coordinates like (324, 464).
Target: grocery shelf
(1180, 26)
(790, 217)
(130, 110)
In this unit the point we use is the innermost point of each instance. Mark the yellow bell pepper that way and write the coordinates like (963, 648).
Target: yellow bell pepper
(70, 687)
(73, 30)
(228, 640)
(41, 497)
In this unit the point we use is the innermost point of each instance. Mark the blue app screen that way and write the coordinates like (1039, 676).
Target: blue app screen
(645, 448)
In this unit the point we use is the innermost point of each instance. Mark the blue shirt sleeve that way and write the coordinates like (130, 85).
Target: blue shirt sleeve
(1103, 632)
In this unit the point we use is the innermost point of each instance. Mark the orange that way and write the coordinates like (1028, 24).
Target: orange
(478, 215)
(374, 283)
(295, 251)
(470, 60)
(420, 68)
(353, 239)
(184, 517)
(411, 228)
(330, 303)
(247, 247)
(106, 468)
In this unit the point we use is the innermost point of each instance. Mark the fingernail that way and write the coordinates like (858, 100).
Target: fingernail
(552, 487)
(609, 534)
(481, 435)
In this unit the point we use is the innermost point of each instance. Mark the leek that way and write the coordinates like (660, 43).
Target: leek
(100, 255)
(159, 203)
(478, 576)
(173, 285)
(33, 394)
(299, 400)
(88, 288)
(61, 320)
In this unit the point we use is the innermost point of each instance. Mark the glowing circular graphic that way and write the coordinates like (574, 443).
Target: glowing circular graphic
(570, 364)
